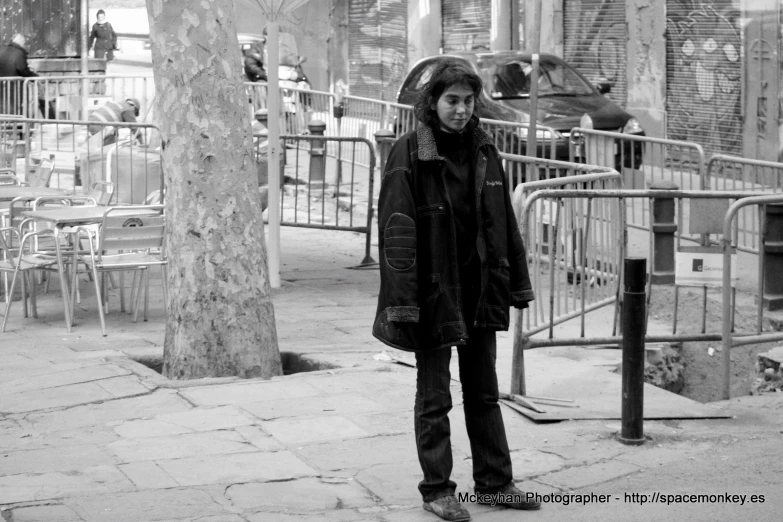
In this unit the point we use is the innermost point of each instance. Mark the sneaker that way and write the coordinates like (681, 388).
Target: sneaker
(448, 508)
(511, 497)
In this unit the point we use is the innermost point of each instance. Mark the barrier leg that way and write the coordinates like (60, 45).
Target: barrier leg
(518, 358)
(634, 314)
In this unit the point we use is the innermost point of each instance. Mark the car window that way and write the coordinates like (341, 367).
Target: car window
(416, 81)
(511, 79)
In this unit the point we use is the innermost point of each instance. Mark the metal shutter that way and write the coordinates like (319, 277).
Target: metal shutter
(394, 46)
(595, 42)
(466, 25)
(377, 47)
(704, 73)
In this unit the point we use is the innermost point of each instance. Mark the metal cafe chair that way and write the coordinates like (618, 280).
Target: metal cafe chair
(102, 191)
(8, 177)
(23, 261)
(130, 238)
(63, 235)
(42, 174)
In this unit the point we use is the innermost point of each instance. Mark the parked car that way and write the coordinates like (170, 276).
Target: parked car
(564, 97)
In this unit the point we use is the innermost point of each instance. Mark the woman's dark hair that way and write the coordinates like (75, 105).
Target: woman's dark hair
(450, 71)
(100, 12)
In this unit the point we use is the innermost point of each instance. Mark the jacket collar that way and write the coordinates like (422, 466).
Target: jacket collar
(428, 150)
(17, 46)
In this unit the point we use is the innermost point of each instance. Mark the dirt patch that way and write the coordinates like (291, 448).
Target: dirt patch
(703, 361)
(292, 363)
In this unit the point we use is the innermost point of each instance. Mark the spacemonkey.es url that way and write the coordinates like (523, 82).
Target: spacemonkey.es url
(700, 498)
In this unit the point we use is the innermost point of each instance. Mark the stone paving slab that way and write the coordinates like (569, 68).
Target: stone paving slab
(583, 476)
(46, 513)
(359, 453)
(337, 404)
(158, 402)
(246, 393)
(153, 505)
(40, 461)
(180, 446)
(242, 467)
(71, 395)
(146, 474)
(302, 430)
(302, 496)
(97, 480)
(87, 373)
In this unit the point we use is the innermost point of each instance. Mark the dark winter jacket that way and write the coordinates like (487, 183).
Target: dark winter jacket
(104, 37)
(419, 304)
(13, 61)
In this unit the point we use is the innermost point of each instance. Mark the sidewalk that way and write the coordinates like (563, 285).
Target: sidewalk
(88, 434)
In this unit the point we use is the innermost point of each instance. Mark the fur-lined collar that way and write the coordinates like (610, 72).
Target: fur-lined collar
(428, 150)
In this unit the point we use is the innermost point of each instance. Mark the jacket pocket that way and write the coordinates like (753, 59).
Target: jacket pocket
(399, 238)
(435, 288)
(428, 210)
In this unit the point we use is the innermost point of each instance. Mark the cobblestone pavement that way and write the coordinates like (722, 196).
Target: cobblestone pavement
(87, 433)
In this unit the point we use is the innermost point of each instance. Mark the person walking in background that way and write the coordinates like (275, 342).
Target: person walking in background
(13, 63)
(254, 64)
(104, 37)
(452, 262)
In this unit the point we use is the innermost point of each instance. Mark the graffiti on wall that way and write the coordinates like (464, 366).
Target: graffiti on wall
(704, 72)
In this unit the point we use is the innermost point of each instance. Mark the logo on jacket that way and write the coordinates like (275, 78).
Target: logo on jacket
(494, 183)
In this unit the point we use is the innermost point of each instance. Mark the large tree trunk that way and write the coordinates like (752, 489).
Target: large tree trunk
(220, 315)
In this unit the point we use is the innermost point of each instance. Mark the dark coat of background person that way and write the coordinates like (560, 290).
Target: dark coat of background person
(420, 289)
(13, 63)
(105, 40)
(254, 65)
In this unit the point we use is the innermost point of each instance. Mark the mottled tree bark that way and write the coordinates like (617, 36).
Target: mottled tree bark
(220, 315)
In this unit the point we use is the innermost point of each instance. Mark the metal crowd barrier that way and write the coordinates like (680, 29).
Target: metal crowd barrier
(733, 173)
(84, 152)
(12, 96)
(511, 138)
(61, 97)
(577, 239)
(320, 191)
(363, 117)
(729, 336)
(644, 162)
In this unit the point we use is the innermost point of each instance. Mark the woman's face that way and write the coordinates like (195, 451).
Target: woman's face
(101, 18)
(455, 107)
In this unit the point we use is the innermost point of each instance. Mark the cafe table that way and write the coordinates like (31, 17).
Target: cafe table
(65, 219)
(8, 193)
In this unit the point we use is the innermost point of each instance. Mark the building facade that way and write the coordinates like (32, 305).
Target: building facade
(698, 70)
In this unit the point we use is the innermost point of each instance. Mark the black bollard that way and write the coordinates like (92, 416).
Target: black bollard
(634, 312)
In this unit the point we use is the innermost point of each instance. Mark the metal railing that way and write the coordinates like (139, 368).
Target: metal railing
(511, 138)
(643, 161)
(581, 272)
(86, 151)
(730, 337)
(12, 96)
(62, 97)
(325, 192)
(734, 173)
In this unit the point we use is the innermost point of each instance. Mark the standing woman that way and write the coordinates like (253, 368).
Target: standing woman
(452, 262)
(104, 37)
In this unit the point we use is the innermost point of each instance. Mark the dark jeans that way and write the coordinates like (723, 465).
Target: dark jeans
(484, 422)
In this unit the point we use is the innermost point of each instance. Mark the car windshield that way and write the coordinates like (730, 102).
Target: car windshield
(511, 79)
